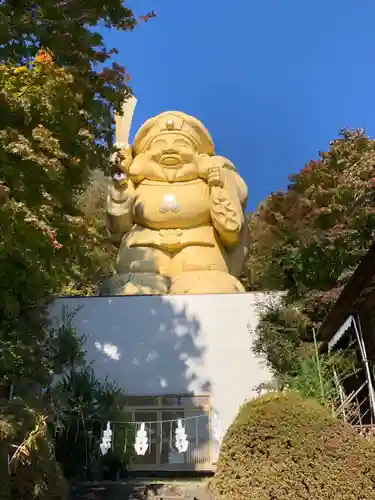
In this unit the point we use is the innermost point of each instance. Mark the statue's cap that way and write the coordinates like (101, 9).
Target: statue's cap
(177, 122)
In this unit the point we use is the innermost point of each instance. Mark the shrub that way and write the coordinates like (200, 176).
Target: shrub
(33, 473)
(284, 447)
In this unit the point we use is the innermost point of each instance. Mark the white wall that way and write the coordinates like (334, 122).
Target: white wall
(175, 344)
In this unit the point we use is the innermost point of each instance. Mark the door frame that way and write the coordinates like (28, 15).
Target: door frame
(158, 408)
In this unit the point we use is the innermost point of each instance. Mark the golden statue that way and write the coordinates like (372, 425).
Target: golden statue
(177, 212)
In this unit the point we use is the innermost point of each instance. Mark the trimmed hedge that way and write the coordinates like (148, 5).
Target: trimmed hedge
(283, 447)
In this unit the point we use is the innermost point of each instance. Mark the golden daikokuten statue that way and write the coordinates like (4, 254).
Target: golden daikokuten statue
(177, 211)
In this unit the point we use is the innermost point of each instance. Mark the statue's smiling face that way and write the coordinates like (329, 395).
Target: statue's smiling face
(172, 150)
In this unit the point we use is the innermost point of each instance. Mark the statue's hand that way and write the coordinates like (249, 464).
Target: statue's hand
(215, 176)
(120, 163)
(120, 208)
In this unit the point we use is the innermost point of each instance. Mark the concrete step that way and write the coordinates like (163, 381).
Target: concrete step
(140, 491)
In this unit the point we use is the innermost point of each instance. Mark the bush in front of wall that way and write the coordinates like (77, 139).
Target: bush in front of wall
(33, 472)
(284, 447)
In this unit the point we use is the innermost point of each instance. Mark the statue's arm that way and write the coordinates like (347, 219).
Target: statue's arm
(228, 194)
(120, 203)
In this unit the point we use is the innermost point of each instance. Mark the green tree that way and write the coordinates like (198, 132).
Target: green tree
(56, 126)
(309, 238)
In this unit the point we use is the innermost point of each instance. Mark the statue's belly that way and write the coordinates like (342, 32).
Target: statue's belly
(162, 205)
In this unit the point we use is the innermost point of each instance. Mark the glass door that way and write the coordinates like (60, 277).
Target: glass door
(160, 414)
(198, 435)
(168, 452)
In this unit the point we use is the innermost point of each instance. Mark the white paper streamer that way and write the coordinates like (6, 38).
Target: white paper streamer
(105, 444)
(180, 435)
(141, 440)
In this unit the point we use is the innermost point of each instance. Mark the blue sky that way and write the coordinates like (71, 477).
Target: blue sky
(272, 80)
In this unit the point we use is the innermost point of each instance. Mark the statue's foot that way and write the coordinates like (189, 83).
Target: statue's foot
(200, 282)
(135, 284)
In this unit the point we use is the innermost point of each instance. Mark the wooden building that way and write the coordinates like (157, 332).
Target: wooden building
(351, 325)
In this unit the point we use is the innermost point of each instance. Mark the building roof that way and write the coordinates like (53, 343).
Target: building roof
(358, 296)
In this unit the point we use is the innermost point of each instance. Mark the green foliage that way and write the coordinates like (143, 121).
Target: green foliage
(307, 240)
(36, 474)
(56, 127)
(46, 246)
(314, 376)
(71, 24)
(75, 403)
(286, 447)
(280, 338)
(306, 237)
(79, 405)
(284, 339)
(39, 359)
(59, 88)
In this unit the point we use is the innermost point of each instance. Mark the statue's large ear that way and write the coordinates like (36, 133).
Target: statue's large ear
(204, 163)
